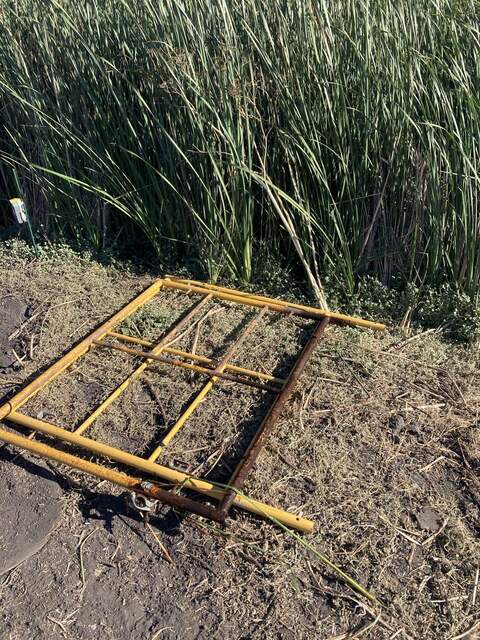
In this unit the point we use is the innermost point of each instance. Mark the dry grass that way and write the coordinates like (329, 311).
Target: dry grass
(380, 428)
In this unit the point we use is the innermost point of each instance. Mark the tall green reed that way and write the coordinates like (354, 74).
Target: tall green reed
(343, 135)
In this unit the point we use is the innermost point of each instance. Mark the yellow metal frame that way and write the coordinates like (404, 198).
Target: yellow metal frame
(224, 369)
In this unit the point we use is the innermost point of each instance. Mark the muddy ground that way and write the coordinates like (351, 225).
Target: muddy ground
(379, 446)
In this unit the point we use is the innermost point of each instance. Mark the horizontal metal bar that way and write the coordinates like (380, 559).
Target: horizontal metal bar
(180, 502)
(190, 367)
(77, 352)
(274, 304)
(198, 358)
(111, 475)
(65, 458)
(173, 476)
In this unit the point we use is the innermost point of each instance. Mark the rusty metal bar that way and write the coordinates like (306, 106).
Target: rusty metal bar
(197, 358)
(187, 365)
(207, 388)
(240, 474)
(141, 368)
(178, 501)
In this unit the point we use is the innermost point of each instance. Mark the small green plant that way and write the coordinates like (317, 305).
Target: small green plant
(456, 312)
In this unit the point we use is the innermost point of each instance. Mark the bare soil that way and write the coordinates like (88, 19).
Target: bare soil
(379, 445)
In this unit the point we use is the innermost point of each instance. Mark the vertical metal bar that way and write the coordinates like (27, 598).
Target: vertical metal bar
(141, 368)
(207, 388)
(240, 474)
(77, 352)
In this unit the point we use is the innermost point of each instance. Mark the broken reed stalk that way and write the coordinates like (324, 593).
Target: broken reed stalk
(163, 549)
(351, 582)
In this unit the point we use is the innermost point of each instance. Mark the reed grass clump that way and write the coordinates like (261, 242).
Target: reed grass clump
(343, 135)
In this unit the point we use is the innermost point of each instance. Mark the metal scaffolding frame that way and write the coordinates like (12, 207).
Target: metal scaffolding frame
(173, 481)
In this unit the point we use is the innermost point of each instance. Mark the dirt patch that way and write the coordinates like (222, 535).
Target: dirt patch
(379, 445)
(30, 507)
(13, 312)
(428, 519)
(102, 574)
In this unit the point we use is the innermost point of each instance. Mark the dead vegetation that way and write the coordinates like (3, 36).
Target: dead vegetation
(379, 445)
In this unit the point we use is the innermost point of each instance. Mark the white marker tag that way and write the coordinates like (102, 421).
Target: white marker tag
(19, 210)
